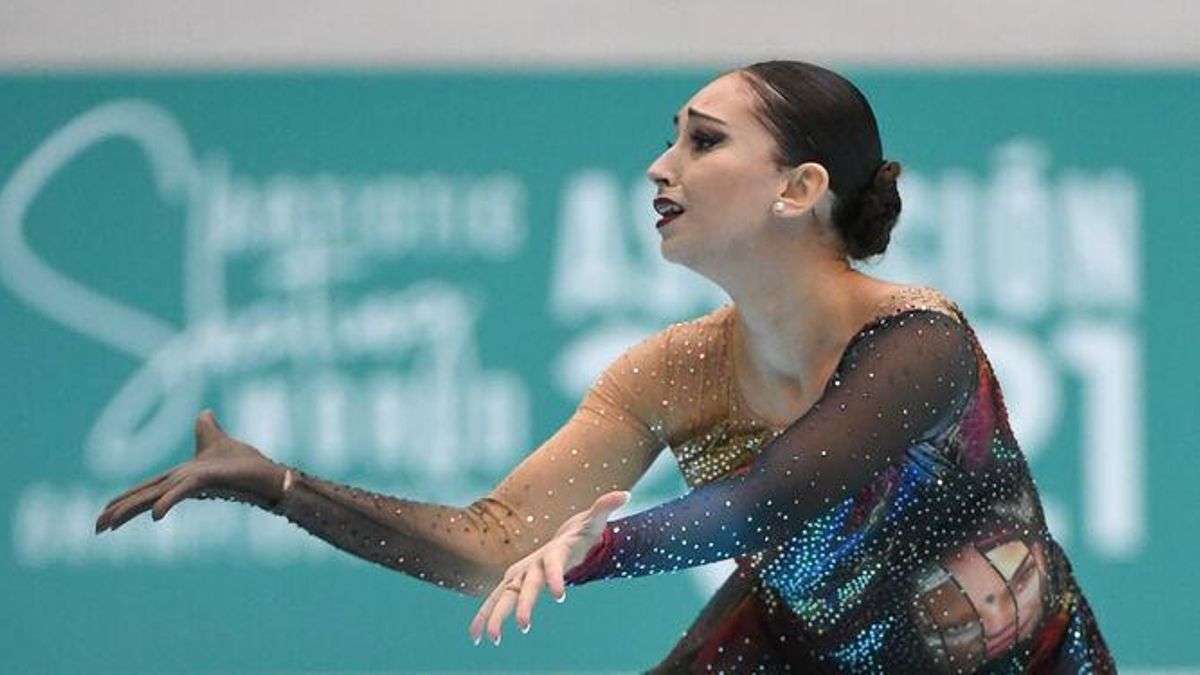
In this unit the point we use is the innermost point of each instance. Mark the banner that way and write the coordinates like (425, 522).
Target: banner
(405, 281)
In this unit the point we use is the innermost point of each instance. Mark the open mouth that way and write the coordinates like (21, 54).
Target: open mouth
(667, 209)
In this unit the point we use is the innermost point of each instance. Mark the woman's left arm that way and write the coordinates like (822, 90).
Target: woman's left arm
(900, 382)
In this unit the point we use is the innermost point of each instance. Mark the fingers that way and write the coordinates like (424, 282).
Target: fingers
(554, 577)
(139, 498)
(485, 610)
(504, 607)
(124, 510)
(176, 494)
(603, 507)
(530, 588)
(529, 575)
(137, 488)
(608, 502)
(207, 430)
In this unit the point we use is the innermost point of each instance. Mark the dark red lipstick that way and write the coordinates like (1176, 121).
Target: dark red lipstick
(668, 209)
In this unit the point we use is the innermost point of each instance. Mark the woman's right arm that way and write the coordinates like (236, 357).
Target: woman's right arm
(607, 444)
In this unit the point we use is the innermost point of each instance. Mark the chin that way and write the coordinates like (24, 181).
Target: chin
(671, 251)
(674, 253)
(665, 248)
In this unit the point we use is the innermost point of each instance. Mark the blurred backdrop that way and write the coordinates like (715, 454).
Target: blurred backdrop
(392, 243)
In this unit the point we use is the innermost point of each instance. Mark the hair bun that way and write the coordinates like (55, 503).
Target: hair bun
(889, 170)
(867, 224)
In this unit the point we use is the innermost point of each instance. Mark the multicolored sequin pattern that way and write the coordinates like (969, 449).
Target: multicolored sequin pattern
(941, 564)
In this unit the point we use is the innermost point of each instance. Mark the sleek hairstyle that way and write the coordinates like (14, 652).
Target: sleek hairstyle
(818, 116)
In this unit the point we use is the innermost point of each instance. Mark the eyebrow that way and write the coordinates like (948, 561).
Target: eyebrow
(692, 112)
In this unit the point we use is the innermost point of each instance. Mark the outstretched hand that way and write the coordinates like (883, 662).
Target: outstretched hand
(221, 467)
(544, 567)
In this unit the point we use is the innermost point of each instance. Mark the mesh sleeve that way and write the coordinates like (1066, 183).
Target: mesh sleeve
(607, 444)
(901, 380)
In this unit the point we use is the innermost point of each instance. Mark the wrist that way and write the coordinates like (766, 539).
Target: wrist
(283, 477)
(593, 560)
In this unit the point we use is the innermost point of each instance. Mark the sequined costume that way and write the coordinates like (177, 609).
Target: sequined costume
(893, 527)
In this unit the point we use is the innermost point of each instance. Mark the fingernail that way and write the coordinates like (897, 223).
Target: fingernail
(497, 640)
(478, 639)
(561, 598)
(527, 627)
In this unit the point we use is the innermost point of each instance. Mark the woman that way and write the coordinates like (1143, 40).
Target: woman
(845, 437)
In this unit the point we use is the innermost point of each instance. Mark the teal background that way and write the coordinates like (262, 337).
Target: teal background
(101, 222)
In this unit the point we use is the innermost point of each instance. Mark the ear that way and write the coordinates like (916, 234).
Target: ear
(803, 187)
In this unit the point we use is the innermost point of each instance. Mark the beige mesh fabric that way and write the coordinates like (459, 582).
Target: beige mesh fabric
(675, 389)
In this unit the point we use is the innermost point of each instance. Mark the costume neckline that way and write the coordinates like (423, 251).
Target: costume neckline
(738, 399)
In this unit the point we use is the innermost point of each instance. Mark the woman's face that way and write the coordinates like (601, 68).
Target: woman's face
(720, 168)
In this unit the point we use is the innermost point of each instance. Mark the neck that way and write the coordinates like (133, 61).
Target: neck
(794, 316)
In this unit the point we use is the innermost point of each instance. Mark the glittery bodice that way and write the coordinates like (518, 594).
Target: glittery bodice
(893, 527)
(723, 448)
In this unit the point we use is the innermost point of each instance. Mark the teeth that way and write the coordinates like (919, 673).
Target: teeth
(668, 208)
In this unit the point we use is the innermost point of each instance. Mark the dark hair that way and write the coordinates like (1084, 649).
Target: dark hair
(818, 116)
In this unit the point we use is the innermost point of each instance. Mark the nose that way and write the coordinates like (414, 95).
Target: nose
(658, 172)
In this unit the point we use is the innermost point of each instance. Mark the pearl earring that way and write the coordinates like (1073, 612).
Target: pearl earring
(778, 206)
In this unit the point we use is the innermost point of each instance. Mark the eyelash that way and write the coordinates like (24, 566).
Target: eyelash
(698, 139)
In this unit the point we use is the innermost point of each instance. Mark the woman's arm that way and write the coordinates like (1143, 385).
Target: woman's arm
(607, 444)
(901, 381)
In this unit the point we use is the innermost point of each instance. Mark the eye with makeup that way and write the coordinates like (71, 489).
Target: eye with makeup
(701, 140)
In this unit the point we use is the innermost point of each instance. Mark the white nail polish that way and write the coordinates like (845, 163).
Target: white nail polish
(478, 640)
(497, 640)
(561, 599)
(526, 628)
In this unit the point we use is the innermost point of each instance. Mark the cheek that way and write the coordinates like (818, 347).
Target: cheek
(732, 193)
(730, 199)
(745, 211)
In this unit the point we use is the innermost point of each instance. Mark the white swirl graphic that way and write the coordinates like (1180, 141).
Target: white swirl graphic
(119, 442)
